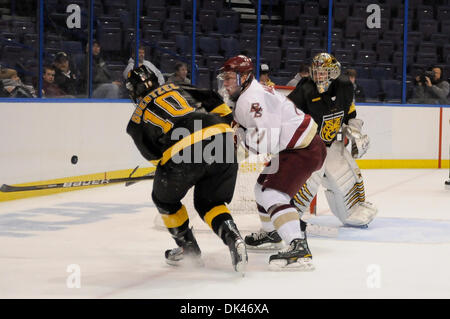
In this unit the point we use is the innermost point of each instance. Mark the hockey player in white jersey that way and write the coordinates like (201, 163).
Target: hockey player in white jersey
(329, 99)
(270, 123)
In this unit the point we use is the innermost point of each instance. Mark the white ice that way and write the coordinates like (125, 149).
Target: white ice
(108, 234)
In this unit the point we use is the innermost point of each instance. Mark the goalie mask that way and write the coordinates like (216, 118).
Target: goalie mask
(324, 69)
(140, 81)
(235, 75)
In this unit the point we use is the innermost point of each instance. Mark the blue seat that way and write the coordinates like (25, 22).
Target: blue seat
(311, 8)
(229, 46)
(353, 44)
(273, 57)
(72, 47)
(292, 31)
(216, 5)
(110, 39)
(156, 12)
(292, 10)
(208, 45)
(425, 12)
(443, 13)
(183, 44)
(167, 63)
(247, 42)
(22, 27)
(353, 26)
(369, 39)
(203, 78)
(371, 89)
(207, 19)
(341, 12)
(385, 49)
(296, 54)
(214, 62)
(269, 41)
(392, 90)
(152, 36)
(150, 24)
(106, 22)
(366, 57)
(227, 25)
(272, 30)
(344, 55)
(289, 42)
(312, 42)
(171, 25)
(176, 13)
(426, 58)
(428, 27)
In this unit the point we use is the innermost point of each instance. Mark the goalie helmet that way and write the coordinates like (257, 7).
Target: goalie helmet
(140, 81)
(234, 76)
(324, 69)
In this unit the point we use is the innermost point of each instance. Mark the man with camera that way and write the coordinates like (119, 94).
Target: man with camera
(431, 88)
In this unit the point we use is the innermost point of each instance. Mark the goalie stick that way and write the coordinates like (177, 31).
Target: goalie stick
(11, 188)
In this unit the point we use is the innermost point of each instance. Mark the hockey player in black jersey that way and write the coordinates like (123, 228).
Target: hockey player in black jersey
(188, 130)
(328, 98)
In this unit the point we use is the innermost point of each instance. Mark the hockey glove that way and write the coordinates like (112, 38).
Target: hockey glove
(360, 142)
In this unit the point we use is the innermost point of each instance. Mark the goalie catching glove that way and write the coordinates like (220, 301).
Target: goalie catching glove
(360, 142)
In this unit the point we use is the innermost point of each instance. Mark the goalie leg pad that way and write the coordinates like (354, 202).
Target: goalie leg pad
(345, 188)
(305, 195)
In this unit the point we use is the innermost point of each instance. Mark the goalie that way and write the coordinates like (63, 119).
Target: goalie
(329, 99)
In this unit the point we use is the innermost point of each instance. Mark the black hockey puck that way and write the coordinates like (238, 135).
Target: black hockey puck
(74, 159)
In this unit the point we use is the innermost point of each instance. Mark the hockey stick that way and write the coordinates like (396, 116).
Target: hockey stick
(10, 188)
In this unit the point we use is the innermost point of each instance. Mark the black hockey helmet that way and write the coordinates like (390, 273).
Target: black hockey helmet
(140, 82)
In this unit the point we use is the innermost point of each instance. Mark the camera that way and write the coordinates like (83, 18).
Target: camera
(429, 74)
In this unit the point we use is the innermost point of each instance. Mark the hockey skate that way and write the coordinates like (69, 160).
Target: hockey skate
(295, 257)
(236, 245)
(263, 240)
(188, 252)
(447, 184)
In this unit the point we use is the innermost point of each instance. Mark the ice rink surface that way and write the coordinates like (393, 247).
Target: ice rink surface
(107, 236)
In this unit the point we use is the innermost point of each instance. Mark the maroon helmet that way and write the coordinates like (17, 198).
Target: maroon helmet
(237, 68)
(239, 64)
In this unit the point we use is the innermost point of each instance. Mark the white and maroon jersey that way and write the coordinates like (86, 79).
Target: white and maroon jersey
(271, 122)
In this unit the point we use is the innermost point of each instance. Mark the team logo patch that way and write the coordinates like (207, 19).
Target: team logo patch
(330, 126)
(255, 107)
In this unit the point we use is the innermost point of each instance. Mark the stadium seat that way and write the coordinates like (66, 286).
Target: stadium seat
(341, 12)
(371, 89)
(292, 31)
(207, 19)
(426, 58)
(183, 44)
(203, 78)
(171, 25)
(296, 54)
(443, 13)
(353, 26)
(322, 23)
(227, 25)
(273, 56)
(292, 10)
(343, 55)
(167, 63)
(72, 47)
(369, 39)
(311, 8)
(272, 30)
(208, 45)
(269, 41)
(366, 57)
(216, 5)
(392, 90)
(229, 46)
(428, 27)
(425, 13)
(176, 13)
(150, 24)
(110, 39)
(156, 12)
(353, 44)
(289, 42)
(385, 49)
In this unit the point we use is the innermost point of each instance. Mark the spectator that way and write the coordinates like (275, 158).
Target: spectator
(358, 90)
(264, 75)
(65, 78)
(180, 75)
(103, 83)
(431, 88)
(303, 72)
(49, 87)
(143, 61)
(13, 84)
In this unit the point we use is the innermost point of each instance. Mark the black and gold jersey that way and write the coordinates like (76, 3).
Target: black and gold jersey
(173, 117)
(330, 109)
